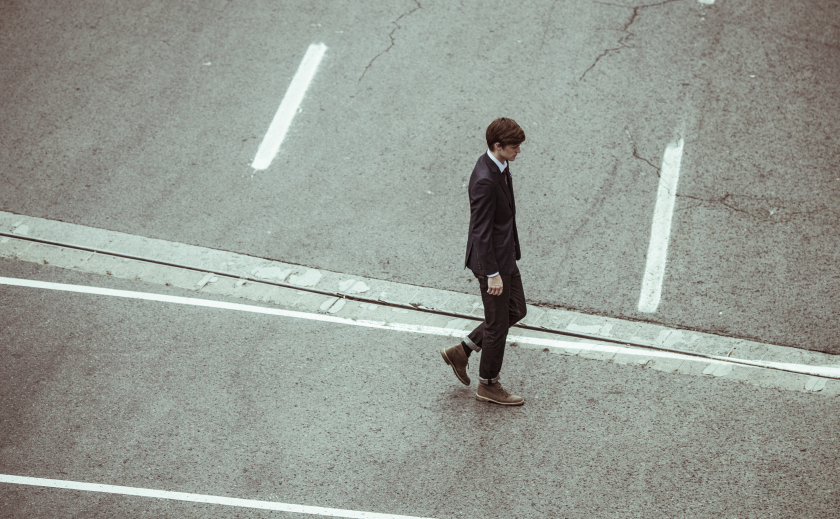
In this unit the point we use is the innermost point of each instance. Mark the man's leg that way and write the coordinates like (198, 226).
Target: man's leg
(516, 307)
(500, 312)
(516, 310)
(496, 324)
(474, 340)
(458, 356)
(494, 330)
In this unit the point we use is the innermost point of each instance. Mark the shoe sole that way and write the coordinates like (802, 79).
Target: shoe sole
(449, 363)
(490, 400)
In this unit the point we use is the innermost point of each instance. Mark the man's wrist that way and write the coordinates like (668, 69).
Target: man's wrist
(493, 275)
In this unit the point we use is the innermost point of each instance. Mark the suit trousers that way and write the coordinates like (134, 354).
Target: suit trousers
(500, 313)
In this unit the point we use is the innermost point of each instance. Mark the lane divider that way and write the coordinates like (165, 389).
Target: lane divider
(197, 498)
(660, 231)
(817, 371)
(289, 106)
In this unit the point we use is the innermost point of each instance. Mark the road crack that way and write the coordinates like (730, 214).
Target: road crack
(770, 209)
(622, 42)
(391, 36)
(636, 153)
(722, 201)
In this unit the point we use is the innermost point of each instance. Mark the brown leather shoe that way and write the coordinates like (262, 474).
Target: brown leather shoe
(497, 394)
(459, 361)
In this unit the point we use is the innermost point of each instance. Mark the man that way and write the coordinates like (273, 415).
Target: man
(492, 252)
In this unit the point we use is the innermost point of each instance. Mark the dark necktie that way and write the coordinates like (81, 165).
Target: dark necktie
(506, 177)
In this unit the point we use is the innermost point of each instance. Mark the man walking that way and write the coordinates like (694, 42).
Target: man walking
(492, 252)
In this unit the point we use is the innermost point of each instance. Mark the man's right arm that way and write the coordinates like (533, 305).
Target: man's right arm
(483, 212)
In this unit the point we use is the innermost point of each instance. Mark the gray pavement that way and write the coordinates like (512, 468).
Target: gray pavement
(143, 119)
(155, 395)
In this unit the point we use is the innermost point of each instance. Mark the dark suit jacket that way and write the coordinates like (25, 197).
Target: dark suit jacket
(493, 243)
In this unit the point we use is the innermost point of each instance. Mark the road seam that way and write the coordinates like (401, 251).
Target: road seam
(337, 284)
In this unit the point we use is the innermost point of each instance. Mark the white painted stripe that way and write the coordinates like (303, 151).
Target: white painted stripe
(289, 106)
(820, 371)
(197, 498)
(660, 231)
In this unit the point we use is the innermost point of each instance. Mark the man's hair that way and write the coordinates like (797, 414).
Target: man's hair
(504, 131)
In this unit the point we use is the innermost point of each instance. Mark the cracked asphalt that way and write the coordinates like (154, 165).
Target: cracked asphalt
(622, 42)
(391, 36)
(145, 118)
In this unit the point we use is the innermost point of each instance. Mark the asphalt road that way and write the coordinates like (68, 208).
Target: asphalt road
(164, 396)
(144, 118)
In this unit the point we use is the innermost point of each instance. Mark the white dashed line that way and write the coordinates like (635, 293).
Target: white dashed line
(660, 231)
(819, 371)
(197, 498)
(289, 106)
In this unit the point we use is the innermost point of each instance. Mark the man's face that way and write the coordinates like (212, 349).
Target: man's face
(507, 153)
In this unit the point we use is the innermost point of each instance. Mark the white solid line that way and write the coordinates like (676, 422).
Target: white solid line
(197, 498)
(289, 106)
(818, 371)
(660, 230)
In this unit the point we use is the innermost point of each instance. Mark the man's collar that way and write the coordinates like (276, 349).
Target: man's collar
(501, 166)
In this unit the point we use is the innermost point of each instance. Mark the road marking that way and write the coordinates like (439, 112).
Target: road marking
(818, 371)
(197, 498)
(289, 106)
(660, 231)
(233, 265)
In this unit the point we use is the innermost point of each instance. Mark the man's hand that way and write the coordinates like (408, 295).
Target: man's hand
(494, 285)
